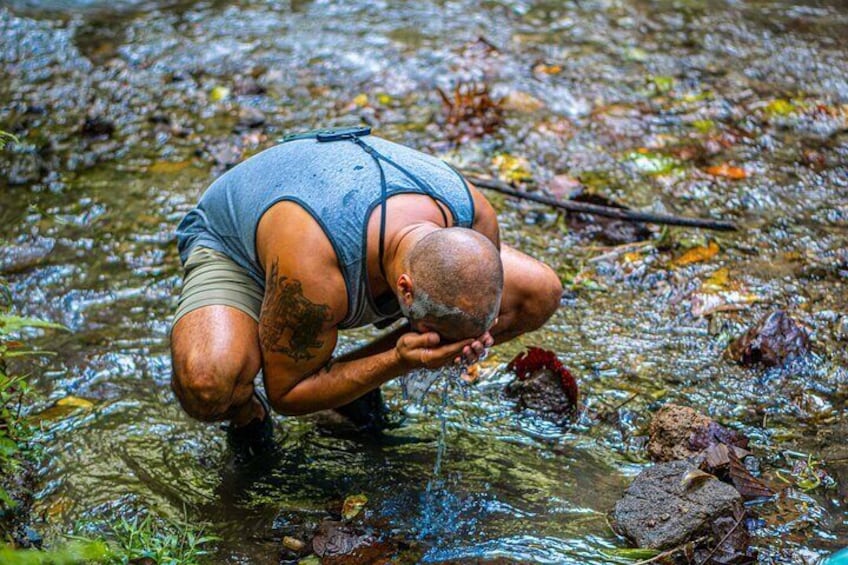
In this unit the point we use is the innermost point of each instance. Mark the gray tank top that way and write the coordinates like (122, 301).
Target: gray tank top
(339, 184)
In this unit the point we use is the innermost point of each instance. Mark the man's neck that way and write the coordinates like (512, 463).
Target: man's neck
(399, 245)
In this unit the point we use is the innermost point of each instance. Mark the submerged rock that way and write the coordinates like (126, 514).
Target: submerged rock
(661, 510)
(337, 543)
(777, 338)
(679, 432)
(543, 384)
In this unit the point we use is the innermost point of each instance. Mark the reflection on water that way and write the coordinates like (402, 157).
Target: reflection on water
(87, 224)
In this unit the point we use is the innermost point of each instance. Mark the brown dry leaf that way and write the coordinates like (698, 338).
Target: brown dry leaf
(728, 171)
(747, 484)
(542, 68)
(697, 254)
(167, 167)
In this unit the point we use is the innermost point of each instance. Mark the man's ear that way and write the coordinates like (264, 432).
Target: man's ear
(405, 289)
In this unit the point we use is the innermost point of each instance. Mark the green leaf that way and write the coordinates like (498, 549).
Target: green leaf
(10, 324)
(650, 163)
(634, 553)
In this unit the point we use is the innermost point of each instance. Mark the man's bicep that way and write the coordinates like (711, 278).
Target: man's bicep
(296, 329)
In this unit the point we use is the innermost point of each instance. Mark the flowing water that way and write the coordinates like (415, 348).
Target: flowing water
(127, 110)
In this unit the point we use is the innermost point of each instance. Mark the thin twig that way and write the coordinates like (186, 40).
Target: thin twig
(724, 539)
(606, 211)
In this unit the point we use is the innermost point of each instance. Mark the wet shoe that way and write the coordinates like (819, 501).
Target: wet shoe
(369, 414)
(255, 438)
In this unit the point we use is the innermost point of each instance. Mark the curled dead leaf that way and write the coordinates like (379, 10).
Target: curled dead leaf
(694, 478)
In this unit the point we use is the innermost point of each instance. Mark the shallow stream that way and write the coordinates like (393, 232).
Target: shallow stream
(127, 110)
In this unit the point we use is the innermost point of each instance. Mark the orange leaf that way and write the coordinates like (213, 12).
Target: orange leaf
(725, 170)
(697, 255)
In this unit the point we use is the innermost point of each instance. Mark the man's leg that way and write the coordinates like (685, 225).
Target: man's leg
(215, 355)
(532, 293)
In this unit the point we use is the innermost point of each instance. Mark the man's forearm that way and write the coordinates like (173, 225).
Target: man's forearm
(379, 345)
(340, 382)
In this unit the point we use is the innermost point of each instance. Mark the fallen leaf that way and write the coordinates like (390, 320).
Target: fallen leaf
(663, 84)
(727, 171)
(360, 100)
(542, 68)
(694, 478)
(650, 163)
(747, 484)
(384, 99)
(167, 167)
(511, 168)
(697, 254)
(518, 101)
(718, 280)
(706, 303)
(780, 107)
(293, 544)
(353, 505)
(219, 93)
(75, 402)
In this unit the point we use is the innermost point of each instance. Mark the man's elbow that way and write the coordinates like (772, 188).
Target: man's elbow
(288, 405)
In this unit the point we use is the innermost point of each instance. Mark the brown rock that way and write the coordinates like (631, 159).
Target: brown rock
(670, 431)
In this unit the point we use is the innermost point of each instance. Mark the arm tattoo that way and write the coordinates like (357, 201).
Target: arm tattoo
(290, 323)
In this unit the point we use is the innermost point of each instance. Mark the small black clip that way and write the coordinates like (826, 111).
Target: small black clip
(336, 134)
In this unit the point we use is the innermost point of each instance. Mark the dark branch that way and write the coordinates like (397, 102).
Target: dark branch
(606, 211)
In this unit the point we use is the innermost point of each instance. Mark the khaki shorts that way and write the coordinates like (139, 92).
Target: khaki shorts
(212, 278)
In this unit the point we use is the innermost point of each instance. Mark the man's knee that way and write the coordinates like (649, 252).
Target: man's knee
(206, 389)
(539, 302)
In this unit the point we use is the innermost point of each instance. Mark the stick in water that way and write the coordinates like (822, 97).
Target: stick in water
(606, 211)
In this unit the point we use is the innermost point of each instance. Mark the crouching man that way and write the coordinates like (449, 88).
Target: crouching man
(333, 230)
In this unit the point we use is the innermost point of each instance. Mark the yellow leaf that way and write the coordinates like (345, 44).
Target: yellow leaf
(219, 93)
(361, 100)
(353, 504)
(384, 99)
(511, 168)
(718, 280)
(75, 402)
(697, 255)
(167, 167)
(632, 257)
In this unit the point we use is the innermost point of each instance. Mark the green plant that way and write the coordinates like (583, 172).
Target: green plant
(14, 391)
(167, 543)
(78, 551)
(6, 138)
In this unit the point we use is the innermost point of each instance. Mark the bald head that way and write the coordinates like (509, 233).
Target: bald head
(457, 279)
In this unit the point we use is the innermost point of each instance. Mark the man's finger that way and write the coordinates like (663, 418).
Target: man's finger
(418, 341)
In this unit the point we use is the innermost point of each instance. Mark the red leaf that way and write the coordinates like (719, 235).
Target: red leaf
(534, 359)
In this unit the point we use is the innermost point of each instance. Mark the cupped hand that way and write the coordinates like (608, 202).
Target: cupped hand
(417, 351)
(476, 350)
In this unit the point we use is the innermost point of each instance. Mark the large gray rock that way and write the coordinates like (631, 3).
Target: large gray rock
(664, 507)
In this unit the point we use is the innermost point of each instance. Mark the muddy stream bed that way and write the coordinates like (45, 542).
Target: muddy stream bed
(126, 110)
